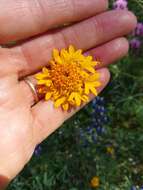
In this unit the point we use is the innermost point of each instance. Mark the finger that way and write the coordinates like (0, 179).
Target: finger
(10, 62)
(110, 52)
(85, 35)
(20, 19)
(48, 119)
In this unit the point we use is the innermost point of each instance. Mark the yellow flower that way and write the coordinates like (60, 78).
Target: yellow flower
(95, 182)
(69, 78)
(110, 150)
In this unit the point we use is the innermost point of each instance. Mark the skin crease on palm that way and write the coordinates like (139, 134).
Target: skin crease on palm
(93, 29)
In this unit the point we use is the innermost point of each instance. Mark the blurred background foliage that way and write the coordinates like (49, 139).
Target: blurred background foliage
(101, 147)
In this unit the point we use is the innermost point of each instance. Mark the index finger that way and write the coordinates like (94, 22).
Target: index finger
(21, 19)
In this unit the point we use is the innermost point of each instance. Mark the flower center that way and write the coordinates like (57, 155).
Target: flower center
(66, 77)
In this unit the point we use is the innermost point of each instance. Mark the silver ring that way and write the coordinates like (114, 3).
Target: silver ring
(33, 89)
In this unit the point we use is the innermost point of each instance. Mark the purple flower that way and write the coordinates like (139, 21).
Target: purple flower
(99, 114)
(120, 5)
(38, 150)
(133, 188)
(96, 128)
(139, 29)
(135, 43)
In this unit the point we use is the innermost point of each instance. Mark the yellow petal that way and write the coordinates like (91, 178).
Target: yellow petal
(90, 87)
(86, 89)
(87, 66)
(45, 71)
(48, 95)
(85, 98)
(94, 63)
(59, 101)
(77, 99)
(90, 69)
(93, 77)
(65, 106)
(71, 49)
(56, 95)
(94, 91)
(84, 74)
(64, 53)
(55, 53)
(71, 96)
(96, 84)
(52, 62)
(40, 76)
(56, 56)
(48, 82)
(89, 58)
(78, 53)
(40, 82)
(58, 60)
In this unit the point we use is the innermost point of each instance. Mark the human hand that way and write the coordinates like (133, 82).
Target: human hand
(23, 126)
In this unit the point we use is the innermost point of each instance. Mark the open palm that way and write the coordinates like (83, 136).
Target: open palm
(33, 23)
